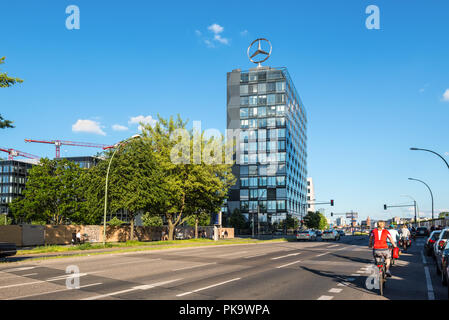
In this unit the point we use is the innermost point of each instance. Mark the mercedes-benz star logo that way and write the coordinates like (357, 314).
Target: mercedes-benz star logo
(259, 51)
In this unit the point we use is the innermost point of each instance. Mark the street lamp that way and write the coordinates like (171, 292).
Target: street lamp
(415, 205)
(117, 148)
(431, 195)
(419, 149)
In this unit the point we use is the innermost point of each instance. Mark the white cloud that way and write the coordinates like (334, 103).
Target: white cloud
(446, 95)
(118, 127)
(218, 38)
(244, 33)
(198, 33)
(142, 119)
(88, 126)
(215, 28)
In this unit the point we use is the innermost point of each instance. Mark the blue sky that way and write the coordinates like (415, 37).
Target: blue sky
(369, 94)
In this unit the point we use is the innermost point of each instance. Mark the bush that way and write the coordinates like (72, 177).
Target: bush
(115, 222)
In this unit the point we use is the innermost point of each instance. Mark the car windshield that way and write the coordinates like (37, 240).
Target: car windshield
(436, 235)
(422, 229)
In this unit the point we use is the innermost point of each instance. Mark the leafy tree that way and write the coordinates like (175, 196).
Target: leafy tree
(200, 218)
(237, 220)
(322, 225)
(187, 186)
(149, 220)
(133, 185)
(312, 220)
(50, 194)
(5, 82)
(443, 214)
(290, 222)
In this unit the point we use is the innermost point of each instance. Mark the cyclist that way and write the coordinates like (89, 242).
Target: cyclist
(378, 241)
(405, 232)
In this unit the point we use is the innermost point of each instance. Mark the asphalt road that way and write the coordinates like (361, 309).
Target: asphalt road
(281, 271)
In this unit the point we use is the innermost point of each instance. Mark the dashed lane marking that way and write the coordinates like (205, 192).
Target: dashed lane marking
(335, 290)
(325, 298)
(288, 255)
(208, 287)
(288, 264)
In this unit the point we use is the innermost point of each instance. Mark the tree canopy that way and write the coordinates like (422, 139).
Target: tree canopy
(6, 81)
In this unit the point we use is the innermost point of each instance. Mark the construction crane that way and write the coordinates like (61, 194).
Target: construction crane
(59, 143)
(16, 153)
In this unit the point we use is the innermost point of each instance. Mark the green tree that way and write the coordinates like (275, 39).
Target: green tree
(322, 225)
(290, 222)
(6, 81)
(188, 186)
(50, 194)
(312, 220)
(443, 214)
(149, 220)
(200, 218)
(237, 220)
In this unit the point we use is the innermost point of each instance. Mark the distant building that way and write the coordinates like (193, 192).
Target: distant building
(13, 177)
(310, 195)
(86, 162)
(340, 221)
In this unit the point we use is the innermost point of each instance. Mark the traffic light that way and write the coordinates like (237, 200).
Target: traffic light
(385, 207)
(332, 203)
(332, 214)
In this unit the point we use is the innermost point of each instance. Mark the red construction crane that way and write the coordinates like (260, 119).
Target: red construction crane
(59, 143)
(16, 153)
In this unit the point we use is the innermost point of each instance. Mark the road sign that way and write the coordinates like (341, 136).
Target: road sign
(350, 215)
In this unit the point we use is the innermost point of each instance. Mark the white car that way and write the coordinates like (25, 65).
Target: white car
(305, 235)
(330, 235)
(438, 249)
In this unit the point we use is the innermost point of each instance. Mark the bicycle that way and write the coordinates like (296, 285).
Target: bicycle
(382, 276)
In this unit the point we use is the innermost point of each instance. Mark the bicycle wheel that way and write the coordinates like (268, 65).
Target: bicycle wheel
(381, 281)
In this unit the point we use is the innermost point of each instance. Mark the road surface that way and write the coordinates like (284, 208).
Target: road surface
(282, 271)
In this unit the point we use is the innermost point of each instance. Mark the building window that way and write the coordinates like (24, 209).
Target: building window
(244, 113)
(280, 86)
(244, 101)
(244, 194)
(262, 87)
(262, 111)
(243, 182)
(262, 181)
(244, 89)
(252, 88)
(280, 181)
(252, 76)
(271, 99)
(262, 134)
(244, 77)
(244, 124)
(262, 123)
(253, 100)
(252, 134)
(243, 170)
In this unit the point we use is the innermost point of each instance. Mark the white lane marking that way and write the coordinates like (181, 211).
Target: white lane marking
(18, 269)
(66, 276)
(288, 264)
(208, 287)
(288, 255)
(335, 290)
(130, 262)
(362, 271)
(54, 291)
(343, 284)
(430, 293)
(356, 275)
(232, 254)
(28, 275)
(142, 287)
(333, 246)
(197, 266)
(325, 298)
(321, 254)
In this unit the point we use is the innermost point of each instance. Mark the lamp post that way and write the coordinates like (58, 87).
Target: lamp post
(415, 205)
(117, 148)
(419, 149)
(431, 194)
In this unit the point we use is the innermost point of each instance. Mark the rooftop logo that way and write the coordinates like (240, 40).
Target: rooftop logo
(259, 51)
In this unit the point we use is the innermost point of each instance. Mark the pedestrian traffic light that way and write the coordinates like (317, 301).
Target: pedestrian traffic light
(332, 203)
(385, 207)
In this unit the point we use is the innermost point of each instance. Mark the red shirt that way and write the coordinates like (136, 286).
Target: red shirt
(380, 242)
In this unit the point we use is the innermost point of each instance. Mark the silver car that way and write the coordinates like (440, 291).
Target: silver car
(330, 235)
(306, 235)
(438, 249)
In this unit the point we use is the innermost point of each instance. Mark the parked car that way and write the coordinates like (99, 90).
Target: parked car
(422, 232)
(430, 242)
(318, 233)
(306, 235)
(330, 235)
(7, 249)
(445, 265)
(341, 233)
(438, 248)
(179, 236)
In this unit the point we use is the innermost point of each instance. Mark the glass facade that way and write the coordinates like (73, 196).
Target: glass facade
(271, 167)
(13, 175)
